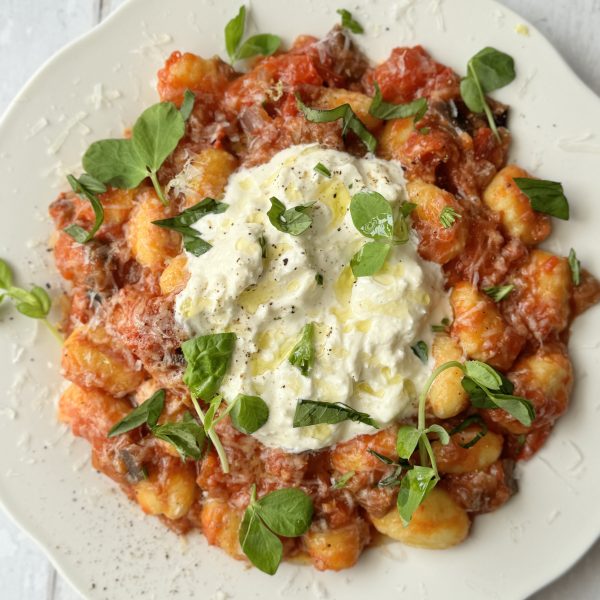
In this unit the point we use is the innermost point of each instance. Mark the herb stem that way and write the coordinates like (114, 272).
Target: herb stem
(423, 441)
(53, 330)
(158, 188)
(214, 438)
(486, 108)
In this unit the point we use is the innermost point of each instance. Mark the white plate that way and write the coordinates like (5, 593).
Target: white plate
(102, 543)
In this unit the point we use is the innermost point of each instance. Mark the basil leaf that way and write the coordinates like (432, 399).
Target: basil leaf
(494, 69)
(387, 111)
(187, 436)
(87, 186)
(472, 420)
(471, 95)
(575, 266)
(249, 413)
(372, 215)
(406, 441)
(448, 216)
(350, 122)
(322, 169)
(406, 208)
(263, 548)
(208, 358)
(545, 196)
(293, 220)
(263, 44)
(479, 398)
(520, 408)
(415, 486)
(499, 292)
(421, 351)
(483, 374)
(343, 480)
(303, 353)
(286, 512)
(115, 163)
(192, 242)
(187, 106)
(369, 259)
(442, 434)
(146, 413)
(349, 22)
(6, 275)
(234, 31)
(312, 412)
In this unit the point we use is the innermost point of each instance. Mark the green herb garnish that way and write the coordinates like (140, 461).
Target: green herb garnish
(487, 71)
(421, 351)
(263, 44)
(192, 241)
(208, 358)
(373, 217)
(443, 326)
(349, 22)
(448, 216)
(187, 106)
(249, 413)
(319, 279)
(322, 169)
(294, 221)
(286, 512)
(545, 196)
(125, 163)
(387, 110)
(499, 292)
(312, 412)
(303, 353)
(186, 435)
(35, 303)
(343, 480)
(350, 122)
(575, 266)
(472, 420)
(88, 187)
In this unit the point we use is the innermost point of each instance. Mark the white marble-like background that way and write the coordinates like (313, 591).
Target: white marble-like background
(32, 30)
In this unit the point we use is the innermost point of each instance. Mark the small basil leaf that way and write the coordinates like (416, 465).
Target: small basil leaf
(520, 408)
(249, 413)
(478, 396)
(350, 122)
(87, 186)
(312, 412)
(369, 259)
(303, 353)
(263, 44)
(575, 266)
(156, 134)
(208, 358)
(483, 374)
(545, 196)
(6, 275)
(286, 512)
(415, 486)
(116, 163)
(349, 22)
(387, 111)
(146, 413)
(372, 215)
(30, 310)
(294, 221)
(322, 169)
(448, 216)
(471, 95)
(187, 436)
(494, 69)
(442, 434)
(234, 31)
(406, 208)
(262, 547)
(421, 351)
(343, 480)
(499, 292)
(187, 106)
(43, 300)
(406, 441)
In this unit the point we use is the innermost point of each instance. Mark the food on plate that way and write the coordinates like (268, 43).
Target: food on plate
(305, 303)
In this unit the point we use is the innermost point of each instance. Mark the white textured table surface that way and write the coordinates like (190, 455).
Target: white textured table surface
(32, 30)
